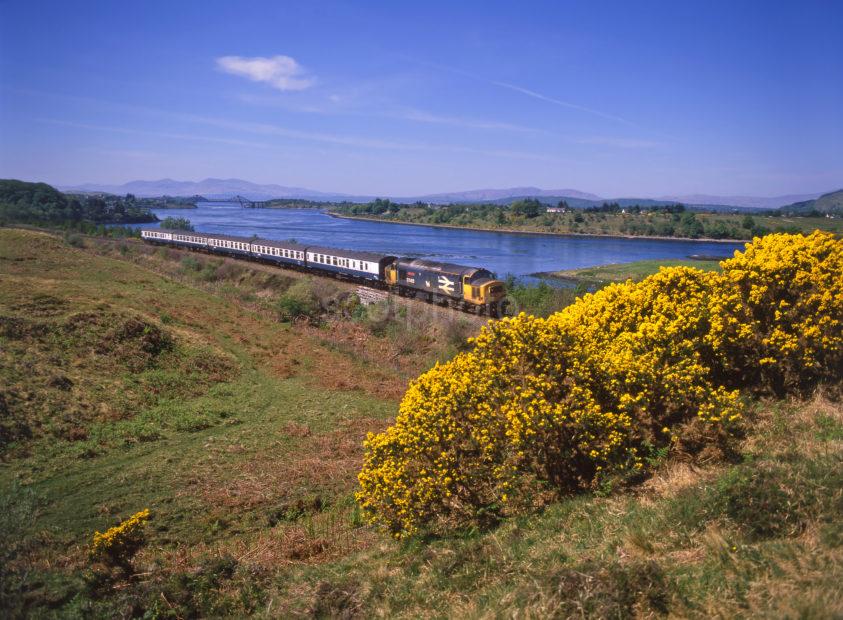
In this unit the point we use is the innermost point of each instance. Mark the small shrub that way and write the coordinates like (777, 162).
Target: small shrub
(609, 591)
(208, 273)
(298, 302)
(190, 263)
(229, 270)
(75, 240)
(118, 544)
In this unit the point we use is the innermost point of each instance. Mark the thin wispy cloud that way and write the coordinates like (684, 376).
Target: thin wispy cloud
(267, 129)
(623, 143)
(426, 117)
(280, 72)
(526, 91)
(156, 134)
(333, 106)
(559, 102)
(357, 142)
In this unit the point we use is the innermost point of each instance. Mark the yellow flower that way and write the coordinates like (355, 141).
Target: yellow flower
(558, 403)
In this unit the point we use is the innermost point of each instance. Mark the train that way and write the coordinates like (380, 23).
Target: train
(472, 289)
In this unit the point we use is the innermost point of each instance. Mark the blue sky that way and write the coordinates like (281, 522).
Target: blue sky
(614, 98)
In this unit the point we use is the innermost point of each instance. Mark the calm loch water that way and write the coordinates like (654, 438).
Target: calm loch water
(502, 253)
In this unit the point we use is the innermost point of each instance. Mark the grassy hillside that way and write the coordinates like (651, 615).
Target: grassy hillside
(135, 378)
(831, 203)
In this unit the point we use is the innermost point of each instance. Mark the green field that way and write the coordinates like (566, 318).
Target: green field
(137, 378)
(621, 272)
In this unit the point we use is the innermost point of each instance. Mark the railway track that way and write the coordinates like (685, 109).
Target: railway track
(371, 291)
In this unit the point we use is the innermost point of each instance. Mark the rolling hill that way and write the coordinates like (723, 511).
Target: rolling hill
(830, 204)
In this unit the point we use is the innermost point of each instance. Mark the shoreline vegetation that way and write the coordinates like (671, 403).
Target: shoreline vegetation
(621, 272)
(531, 216)
(519, 231)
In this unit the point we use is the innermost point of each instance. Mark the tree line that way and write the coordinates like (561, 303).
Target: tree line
(42, 204)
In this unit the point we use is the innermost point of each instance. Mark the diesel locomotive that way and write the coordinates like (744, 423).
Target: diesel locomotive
(467, 288)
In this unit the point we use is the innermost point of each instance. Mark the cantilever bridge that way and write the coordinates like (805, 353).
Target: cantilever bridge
(244, 202)
(250, 204)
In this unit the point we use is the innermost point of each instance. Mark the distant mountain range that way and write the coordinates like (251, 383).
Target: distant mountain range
(492, 195)
(226, 188)
(210, 188)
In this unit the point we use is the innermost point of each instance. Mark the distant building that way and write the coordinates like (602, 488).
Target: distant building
(557, 210)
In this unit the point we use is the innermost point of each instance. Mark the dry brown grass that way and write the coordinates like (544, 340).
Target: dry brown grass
(321, 465)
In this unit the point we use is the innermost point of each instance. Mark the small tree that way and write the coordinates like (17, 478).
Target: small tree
(177, 223)
(529, 207)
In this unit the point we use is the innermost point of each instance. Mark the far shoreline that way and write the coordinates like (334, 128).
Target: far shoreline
(535, 232)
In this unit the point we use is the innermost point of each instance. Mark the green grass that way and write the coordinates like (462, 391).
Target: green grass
(250, 476)
(638, 270)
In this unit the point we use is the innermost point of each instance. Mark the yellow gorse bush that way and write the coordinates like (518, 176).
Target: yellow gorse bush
(778, 317)
(546, 406)
(121, 541)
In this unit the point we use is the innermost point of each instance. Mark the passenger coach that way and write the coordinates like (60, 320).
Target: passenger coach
(285, 252)
(160, 235)
(366, 265)
(232, 246)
